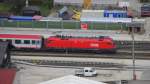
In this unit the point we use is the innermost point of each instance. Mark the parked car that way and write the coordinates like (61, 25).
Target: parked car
(86, 71)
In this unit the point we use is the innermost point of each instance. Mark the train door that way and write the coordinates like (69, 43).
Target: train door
(38, 43)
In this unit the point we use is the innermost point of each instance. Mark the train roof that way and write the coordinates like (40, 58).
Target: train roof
(99, 37)
(81, 38)
(20, 36)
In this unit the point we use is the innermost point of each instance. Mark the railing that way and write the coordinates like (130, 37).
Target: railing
(65, 24)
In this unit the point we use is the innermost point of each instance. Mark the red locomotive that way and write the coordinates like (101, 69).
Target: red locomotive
(84, 43)
(60, 42)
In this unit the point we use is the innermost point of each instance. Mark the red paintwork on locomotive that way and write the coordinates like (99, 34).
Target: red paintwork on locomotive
(80, 43)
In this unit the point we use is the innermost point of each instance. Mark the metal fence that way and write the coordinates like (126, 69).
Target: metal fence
(62, 25)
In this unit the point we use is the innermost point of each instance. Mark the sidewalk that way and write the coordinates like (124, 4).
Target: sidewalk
(115, 34)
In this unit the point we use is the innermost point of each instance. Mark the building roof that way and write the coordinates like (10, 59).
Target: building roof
(145, 75)
(94, 2)
(71, 80)
(7, 76)
(68, 1)
(138, 82)
(33, 8)
(109, 20)
(92, 13)
(19, 18)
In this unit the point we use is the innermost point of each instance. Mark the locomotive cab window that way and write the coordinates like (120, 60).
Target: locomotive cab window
(17, 41)
(26, 41)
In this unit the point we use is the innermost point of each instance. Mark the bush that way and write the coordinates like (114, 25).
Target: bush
(144, 1)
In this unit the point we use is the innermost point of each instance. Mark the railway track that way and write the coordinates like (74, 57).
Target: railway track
(139, 45)
(66, 61)
(73, 59)
(121, 54)
(57, 58)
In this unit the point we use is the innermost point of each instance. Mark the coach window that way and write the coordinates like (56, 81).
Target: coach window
(33, 41)
(17, 41)
(26, 41)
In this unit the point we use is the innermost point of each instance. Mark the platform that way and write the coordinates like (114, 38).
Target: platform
(115, 34)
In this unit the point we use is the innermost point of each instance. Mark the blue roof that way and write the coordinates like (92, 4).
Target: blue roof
(21, 18)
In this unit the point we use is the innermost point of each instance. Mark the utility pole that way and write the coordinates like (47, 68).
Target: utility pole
(133, 54)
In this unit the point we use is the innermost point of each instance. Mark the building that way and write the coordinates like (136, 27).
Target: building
(115, 14)
(71, 80)
(135, 82)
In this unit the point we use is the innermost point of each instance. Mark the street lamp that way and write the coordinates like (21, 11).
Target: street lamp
(27, 3)
(133, 54)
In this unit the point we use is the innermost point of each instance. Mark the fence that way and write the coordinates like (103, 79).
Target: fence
(62, 25)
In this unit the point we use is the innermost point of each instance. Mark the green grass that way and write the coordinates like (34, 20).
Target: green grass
(54, 25)
(105, 26)
(24, 24)
(71, 25)
(8, 24)
(45, 11)
(5, 7)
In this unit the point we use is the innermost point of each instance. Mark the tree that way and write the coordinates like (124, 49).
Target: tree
(48, 3)
(17, 5)
(144, 1)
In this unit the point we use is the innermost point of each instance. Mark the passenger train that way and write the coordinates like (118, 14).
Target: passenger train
(98, 44)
